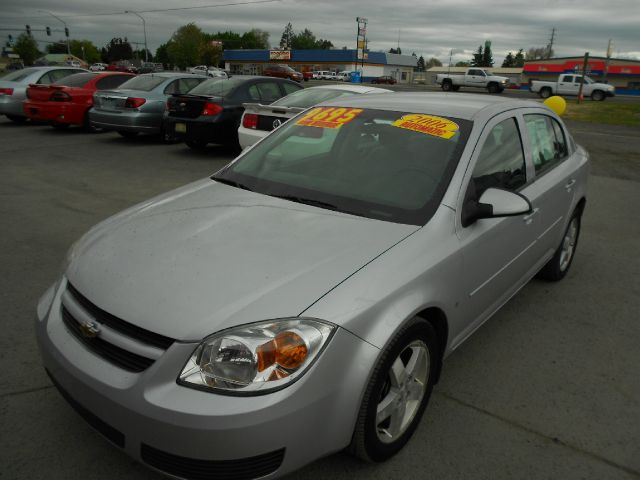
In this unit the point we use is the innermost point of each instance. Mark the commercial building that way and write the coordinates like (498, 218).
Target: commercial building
(60, 59)
(621, 73)
(375, 64)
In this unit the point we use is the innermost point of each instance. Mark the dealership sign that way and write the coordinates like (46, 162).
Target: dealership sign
(279, 54)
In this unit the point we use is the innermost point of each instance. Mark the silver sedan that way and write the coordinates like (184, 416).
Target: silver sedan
(137, 105)
(13, 87)
(302, 300)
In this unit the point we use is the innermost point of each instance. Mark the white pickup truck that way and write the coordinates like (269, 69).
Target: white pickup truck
(474, 77)
(569, 84)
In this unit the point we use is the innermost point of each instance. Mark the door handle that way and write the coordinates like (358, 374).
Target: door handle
(529, 218)
(570, 184)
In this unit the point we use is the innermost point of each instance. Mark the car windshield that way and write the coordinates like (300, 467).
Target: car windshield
(217, 86)
(145, 83)
(386, 165)
(310, 96)
(588, 79)
(76, 80)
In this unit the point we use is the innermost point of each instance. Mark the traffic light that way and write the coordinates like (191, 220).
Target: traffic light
(28, 29)
(66, 32)
(48, 31)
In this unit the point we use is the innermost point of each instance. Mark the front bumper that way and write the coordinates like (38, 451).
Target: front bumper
(179, 430)
(58, 112)
(133, 121)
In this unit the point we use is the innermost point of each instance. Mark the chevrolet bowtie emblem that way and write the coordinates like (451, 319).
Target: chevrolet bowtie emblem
(89, 329)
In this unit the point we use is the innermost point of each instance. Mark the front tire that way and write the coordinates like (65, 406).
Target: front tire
(597, 95)
(556, 268)
(545, 92)
(492, 88)
(398, 392)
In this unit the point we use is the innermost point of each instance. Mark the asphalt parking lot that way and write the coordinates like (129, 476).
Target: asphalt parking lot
(548, 388)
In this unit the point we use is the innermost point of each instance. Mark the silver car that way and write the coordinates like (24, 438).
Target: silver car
(13, 87)
(137, 105)
(302, 299)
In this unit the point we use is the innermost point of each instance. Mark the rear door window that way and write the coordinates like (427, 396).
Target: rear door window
(269, 91)
(111, 81)
(186, 84)
(289, 88)
(548, 143)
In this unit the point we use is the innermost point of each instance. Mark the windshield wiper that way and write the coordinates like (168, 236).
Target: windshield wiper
(233, 183)
(308, 201)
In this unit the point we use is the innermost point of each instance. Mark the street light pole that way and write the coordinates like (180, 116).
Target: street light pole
(65, 28)
(144, 28)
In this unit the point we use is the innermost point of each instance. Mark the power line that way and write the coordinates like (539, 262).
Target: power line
(159, 10)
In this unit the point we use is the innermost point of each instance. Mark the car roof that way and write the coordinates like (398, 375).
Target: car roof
(459, 105)
(171, 75)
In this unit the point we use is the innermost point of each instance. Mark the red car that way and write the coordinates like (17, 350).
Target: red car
(385, 80)
(282, 71)
(68, 102)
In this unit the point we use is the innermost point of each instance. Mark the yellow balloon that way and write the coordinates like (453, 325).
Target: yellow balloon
(557, 104)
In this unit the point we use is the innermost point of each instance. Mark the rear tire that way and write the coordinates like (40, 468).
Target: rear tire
(447, 86)
(492, 88)
(558, 266)
(398, 392)
(127, 134)
(598, 96)
(545, 92)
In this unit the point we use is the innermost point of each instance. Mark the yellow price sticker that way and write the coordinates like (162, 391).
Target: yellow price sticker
(427, 124)
(328, 117)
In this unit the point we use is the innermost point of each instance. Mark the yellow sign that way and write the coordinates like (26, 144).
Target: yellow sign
(427, 124)
(328, 117)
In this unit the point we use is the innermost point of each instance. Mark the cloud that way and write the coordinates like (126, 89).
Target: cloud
(426, 28)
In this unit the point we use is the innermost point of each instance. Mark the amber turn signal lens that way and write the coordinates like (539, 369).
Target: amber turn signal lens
(266, 355)
(291, 351)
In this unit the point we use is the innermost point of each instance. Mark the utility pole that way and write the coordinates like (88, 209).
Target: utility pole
(551, 40)
(584, 72)
(606, 64)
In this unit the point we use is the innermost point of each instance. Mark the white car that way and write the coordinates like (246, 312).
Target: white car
(98, 67)
(208, 71)
(258, 120)
(343, 76)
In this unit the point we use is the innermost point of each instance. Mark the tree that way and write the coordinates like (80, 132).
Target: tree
(463, 64)
(117, 49)
(210, 53)
(185, 47)
(84, 49)
(255, 38)
(509, 61)
(433, 62)
(139, 54)
(287, 36)
(162, 55)
(539, 53)
(519, 59)
(476, 61)
(487, 56)
(421, 67)
(58, 47)
(396, 50)
(27, 48)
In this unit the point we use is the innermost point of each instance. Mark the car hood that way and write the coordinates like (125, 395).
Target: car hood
(210, 256)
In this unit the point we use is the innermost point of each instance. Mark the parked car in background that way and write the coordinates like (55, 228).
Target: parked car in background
(68, 101)
(213, 72)
(98, 67)
(138, 105)
(258, 120)
(326, 75)
(211, 112)
(302, 300)
(473, 77)
(74, 63)
(150, 67)
(315, 75)
(13, 66)
(282, 71)
(385, 79)
(13, 87)
(569, 84)
(307, 75)
(343, 76)
(122, 66)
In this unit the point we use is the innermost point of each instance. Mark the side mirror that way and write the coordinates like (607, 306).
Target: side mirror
(495, 203)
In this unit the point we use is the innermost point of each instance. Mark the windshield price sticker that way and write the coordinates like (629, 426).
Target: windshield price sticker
(427, 124)
(329, 117)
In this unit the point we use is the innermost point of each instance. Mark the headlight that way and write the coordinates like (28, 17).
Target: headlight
(256, 358)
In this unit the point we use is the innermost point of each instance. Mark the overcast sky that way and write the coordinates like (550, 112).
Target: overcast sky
(431, 29)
